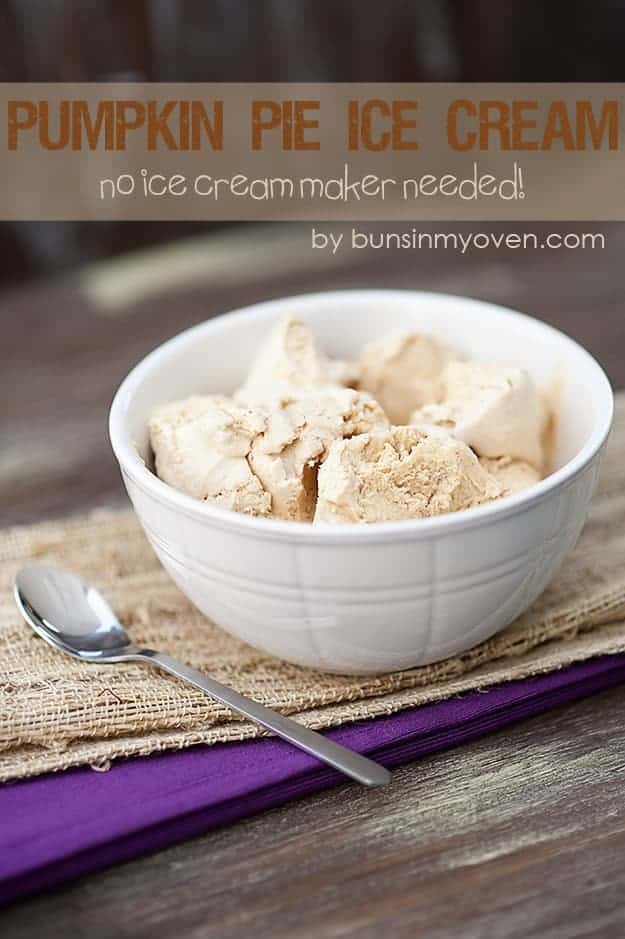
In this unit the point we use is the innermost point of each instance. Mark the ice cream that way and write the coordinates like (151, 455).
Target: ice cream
(260, 460)
(398, 474)
(288, 360)
(295, 443)
(403, 372)
(201, 446)
(300, 431)
(512, 475)
(494, 409)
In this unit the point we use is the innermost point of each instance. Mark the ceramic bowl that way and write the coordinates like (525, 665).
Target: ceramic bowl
(367, 598)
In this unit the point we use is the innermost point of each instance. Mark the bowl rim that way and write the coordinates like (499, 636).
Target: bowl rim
(134, 468)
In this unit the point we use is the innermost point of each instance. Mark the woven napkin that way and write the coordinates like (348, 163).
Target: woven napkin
(57, 712)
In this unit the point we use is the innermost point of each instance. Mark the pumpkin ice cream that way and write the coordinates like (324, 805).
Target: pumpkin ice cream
(399, 474)
(295, 442)
(512, 475)
(201, 446)
(290, 360)
(300, 431)
(403, 371)
(496, 410)
(261, 460)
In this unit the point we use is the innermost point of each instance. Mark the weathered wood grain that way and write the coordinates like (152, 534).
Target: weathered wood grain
(520, 834)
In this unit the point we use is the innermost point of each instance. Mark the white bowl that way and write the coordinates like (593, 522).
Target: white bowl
(367, 598)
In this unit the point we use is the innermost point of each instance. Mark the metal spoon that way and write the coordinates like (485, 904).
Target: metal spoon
(73, 617)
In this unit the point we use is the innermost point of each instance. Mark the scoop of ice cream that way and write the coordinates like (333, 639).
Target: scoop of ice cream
(300, 431)
(288, 360)
(201, 446)
(496, 410)
(341, 372)
(403, 371)
(398, 474)
(512, 475)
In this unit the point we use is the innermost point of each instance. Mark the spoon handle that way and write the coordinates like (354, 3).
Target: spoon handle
(358, 767)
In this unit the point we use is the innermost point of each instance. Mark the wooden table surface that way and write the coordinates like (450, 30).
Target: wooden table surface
(519, 834)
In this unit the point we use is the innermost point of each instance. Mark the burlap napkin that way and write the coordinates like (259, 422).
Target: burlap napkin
(57, 712)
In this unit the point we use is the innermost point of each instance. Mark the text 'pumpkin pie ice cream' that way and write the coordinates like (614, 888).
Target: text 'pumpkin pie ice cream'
(399, 474)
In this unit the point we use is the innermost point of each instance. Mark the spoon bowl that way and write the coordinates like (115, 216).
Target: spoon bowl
(70, 614)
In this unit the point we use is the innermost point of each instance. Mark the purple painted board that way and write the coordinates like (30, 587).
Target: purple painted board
(144, 804)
